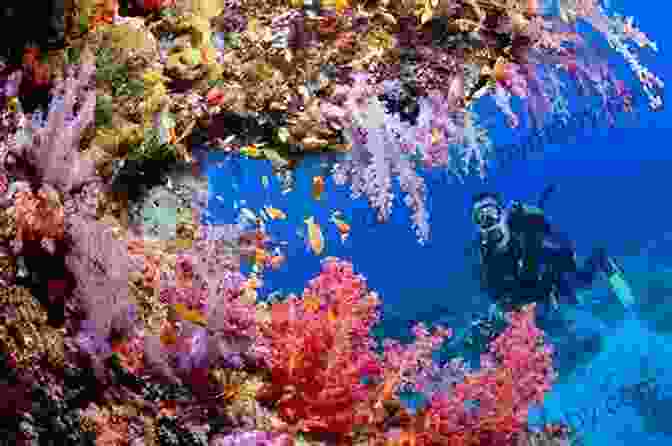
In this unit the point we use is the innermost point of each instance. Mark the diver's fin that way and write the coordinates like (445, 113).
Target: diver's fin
(617, 282)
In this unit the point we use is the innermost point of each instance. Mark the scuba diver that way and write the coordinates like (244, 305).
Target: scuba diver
(523, 259)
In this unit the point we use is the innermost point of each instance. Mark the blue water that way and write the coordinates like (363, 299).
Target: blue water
(613, 190)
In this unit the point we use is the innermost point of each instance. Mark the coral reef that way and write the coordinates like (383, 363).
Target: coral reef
(125, 317)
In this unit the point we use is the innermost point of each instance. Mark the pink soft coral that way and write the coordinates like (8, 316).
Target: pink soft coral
(516, 374)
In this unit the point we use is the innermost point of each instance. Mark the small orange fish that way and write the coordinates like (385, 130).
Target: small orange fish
(331, 316)
(205, 55)
(277, 261)
(190, 315)
(294, 359)
(315, 237)
(318, 187)
(168, 333)
(341, 225)
(253, 282)
(311, 303)
(387, 389)
(274, 213)
(260, 256)
(173, 135)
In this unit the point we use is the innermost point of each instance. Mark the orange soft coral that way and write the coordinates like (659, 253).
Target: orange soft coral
(111, 429)
(38, 216)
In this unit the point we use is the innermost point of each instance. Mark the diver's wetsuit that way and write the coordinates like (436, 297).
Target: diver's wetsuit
(538, 265)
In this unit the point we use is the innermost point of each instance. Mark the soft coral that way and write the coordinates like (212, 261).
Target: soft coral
(320, 352)
(515, 374)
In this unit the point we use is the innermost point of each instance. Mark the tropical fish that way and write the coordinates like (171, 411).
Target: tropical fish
(252, 151)
(274, 213)
(318, 187)
(341, 225)
(311, 303)
(253, 282)
(315, 237)
(277, 260)
(186, 314)
(260, 256)
(168, 333)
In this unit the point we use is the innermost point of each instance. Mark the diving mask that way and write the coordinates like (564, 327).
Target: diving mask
(488, 215)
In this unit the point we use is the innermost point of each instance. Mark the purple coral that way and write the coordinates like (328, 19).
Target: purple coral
(51, 144)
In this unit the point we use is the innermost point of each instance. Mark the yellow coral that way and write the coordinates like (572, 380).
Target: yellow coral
(153, 78)
(155, 95)
(207, 9)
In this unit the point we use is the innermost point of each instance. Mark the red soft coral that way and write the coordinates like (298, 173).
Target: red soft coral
(320, 351)
(39, 217)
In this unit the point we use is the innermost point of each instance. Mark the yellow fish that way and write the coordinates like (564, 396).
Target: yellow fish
(318, 187)
(274, 213)
(252, 151)
(315, 237)
(339, 5)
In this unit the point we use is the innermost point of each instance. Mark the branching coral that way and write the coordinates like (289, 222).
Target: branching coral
(39, 217)
(321, 355)
(49, 153)
(491, 405)
(320, 350)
